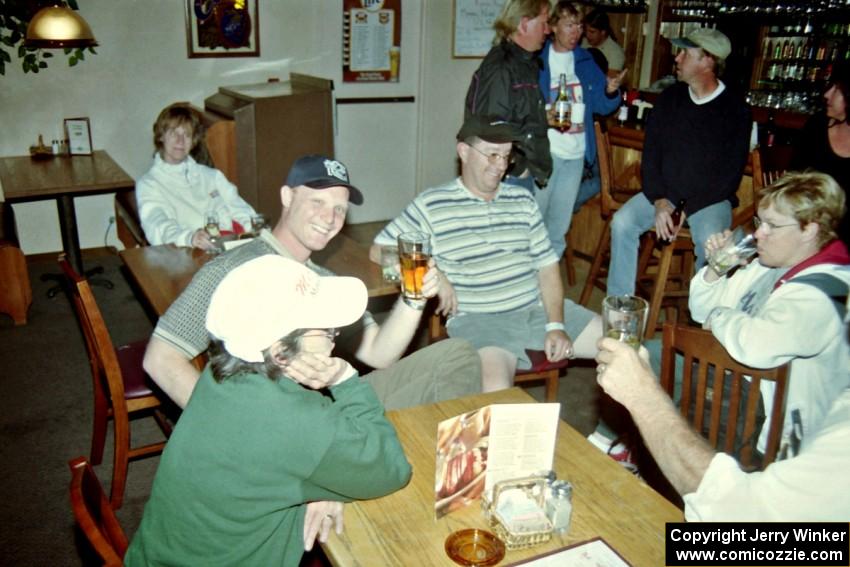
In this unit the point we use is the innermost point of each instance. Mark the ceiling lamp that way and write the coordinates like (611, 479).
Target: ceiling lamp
(58, 26)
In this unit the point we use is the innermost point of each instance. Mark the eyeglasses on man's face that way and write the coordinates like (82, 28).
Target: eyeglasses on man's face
(495, 157)
(768, 227)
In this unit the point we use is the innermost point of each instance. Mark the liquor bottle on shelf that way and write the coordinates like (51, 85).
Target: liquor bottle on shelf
(770, 130)
(787, 49)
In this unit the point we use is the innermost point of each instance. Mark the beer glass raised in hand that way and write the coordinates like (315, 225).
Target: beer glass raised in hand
(414, 251)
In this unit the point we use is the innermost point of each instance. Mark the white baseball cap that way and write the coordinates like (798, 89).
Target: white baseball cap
(265, 299)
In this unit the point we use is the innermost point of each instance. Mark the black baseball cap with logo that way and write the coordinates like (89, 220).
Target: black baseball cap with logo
(489, 129)
(320, 172)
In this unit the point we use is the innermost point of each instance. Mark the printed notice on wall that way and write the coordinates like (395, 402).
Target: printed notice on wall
(371, 41)
(473, 27)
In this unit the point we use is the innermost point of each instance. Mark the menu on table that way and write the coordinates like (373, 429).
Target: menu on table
(592, 553)
(477, 449)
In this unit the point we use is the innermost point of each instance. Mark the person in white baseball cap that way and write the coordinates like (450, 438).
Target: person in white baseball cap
(254, 447)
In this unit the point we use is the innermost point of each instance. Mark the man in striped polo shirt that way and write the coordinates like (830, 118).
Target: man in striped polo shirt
(500, 283)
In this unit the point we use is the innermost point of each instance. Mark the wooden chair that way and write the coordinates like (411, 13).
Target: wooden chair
(613, 194)
(122, 391)
(669, 284)
(541, 369)
(773, 163)
(15, 288)
(702, 396)
(95, 515)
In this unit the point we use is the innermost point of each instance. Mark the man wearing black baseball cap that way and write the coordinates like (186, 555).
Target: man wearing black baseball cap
(315, 200)
(504, 293)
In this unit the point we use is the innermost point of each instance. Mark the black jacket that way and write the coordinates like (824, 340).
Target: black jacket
(506, 86)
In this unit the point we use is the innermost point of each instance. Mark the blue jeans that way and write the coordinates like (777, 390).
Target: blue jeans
(636, 217)
(557, 199)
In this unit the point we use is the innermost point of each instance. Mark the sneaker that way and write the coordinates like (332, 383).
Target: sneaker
(616, 450)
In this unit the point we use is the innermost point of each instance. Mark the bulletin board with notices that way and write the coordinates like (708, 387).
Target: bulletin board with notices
(371, 32)
(473, 27)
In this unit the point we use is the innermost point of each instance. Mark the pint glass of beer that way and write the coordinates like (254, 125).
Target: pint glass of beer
(414, 251)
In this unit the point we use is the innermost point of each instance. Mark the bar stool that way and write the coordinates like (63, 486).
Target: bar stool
(15, 288)
(613, 194)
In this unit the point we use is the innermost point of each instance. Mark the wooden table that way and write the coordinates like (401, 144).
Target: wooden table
(400, 529)
(63, 178)
(162, 272)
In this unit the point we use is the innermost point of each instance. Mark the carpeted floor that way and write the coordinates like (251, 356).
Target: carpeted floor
(45, 385)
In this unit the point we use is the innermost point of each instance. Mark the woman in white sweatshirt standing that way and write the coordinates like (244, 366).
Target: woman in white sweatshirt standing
(177, 193)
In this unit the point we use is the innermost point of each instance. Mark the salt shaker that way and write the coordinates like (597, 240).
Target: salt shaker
(559, 506)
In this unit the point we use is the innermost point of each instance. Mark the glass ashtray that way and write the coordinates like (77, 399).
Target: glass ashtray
(473, 547)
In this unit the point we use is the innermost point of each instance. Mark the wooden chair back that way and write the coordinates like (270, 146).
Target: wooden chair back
(612, 194)
(94, 514)
(708, 374)
(748, 189)
(103, 361)
(112, 377)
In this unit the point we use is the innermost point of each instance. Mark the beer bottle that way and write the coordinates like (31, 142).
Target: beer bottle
(676, 215)
(562, 105)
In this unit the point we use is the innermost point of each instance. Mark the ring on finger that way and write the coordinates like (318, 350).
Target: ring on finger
(601, 368)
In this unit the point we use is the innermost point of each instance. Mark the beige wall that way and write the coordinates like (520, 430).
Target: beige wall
(444, 84)
(393, 150)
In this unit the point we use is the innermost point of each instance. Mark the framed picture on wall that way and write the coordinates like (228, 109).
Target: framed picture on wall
(222, 28)
(78, 133)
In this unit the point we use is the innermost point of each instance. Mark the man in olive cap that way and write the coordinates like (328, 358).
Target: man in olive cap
(695, 150)
(489, 241)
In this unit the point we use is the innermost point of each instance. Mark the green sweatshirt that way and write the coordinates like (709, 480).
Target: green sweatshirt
(245, 457)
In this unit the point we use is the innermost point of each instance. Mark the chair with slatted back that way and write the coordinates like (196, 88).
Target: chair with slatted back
(667, 285)
(94, 514)
(613, 194)
(541, 369)
(122, 390)
(717, 398)
(773, 162)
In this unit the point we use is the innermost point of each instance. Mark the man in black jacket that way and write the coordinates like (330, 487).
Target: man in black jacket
(695, 150)
(505, 86)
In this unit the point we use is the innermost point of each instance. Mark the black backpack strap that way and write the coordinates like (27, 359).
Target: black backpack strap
(834, 288)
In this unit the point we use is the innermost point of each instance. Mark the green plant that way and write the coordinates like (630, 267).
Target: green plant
(15, 16)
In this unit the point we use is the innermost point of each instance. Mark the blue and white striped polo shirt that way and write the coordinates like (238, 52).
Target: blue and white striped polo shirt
(491, 251)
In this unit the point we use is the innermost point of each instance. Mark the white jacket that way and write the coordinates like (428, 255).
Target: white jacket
(813, 486)
(173, 200)
(797, 323)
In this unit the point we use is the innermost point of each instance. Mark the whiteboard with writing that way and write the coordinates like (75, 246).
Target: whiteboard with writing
(473, 26)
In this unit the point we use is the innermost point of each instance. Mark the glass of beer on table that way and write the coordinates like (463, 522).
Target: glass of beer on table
(624, 318)
(414, 251)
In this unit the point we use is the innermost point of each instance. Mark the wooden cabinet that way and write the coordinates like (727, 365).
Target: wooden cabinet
(256, 132)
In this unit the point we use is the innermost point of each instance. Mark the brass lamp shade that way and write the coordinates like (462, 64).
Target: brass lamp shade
(57, 27)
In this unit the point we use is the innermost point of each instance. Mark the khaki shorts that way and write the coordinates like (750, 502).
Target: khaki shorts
(515, 331)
